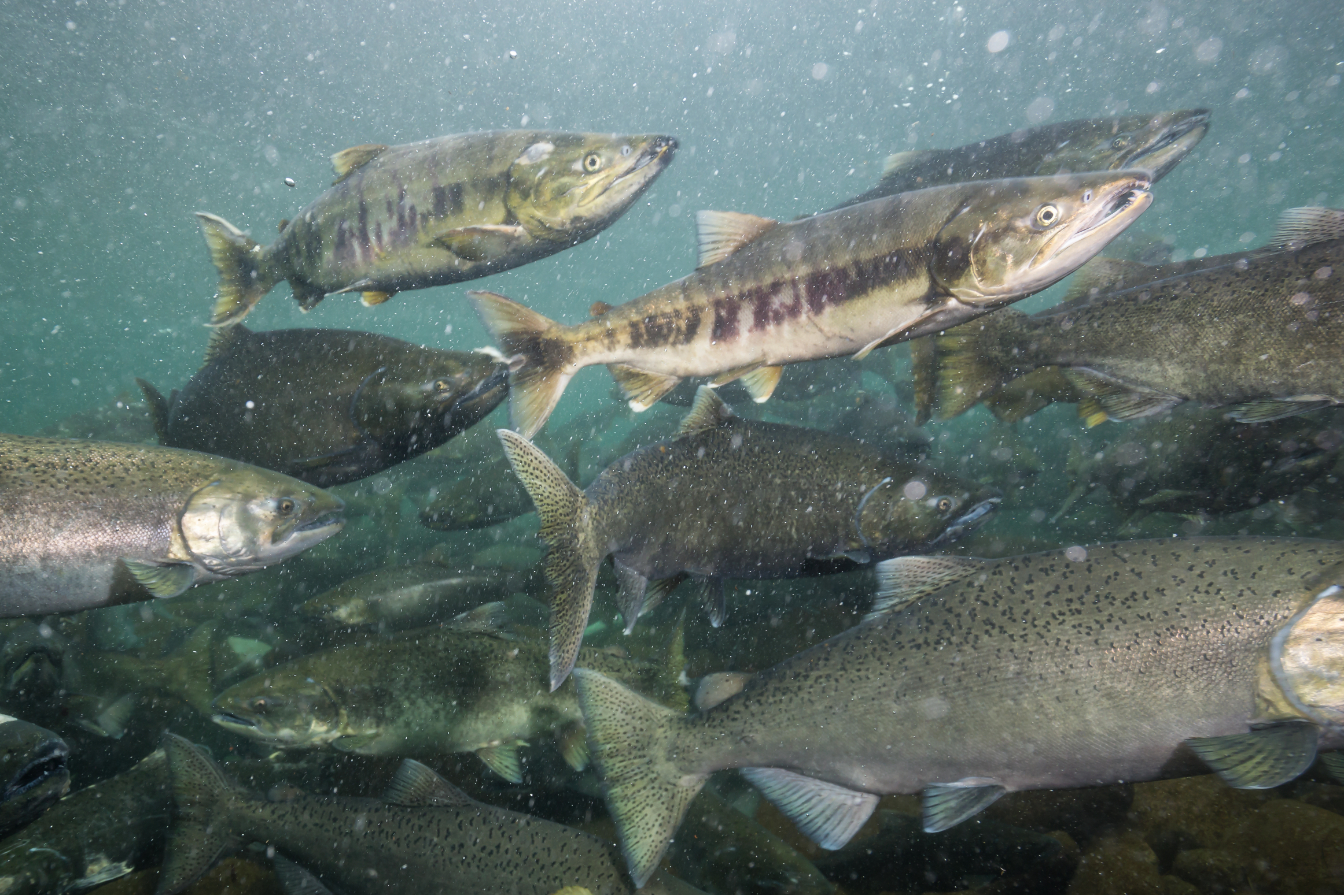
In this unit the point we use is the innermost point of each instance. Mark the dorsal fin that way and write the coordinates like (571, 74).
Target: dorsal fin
(721, 233)
(1102, 275)
(416, 786)
(347, 160)
(708, 412)
(221, 340)
(899, 161)
(1301, 227)
(598, 308)
(284, 222)
(158, 409)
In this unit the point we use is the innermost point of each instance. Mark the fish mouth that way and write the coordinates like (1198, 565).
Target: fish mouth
(237, 723)
(652, 159)
(968, 521)
(49, 763)
(1175, 142)
(1115, 211)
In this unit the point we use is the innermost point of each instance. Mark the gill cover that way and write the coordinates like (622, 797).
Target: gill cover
(217, 525)
(1307, 659)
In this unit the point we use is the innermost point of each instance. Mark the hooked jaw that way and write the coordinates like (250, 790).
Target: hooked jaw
(1100, 221)
(1175, 144)
(972, 519)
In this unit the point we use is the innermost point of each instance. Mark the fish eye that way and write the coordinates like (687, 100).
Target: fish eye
(944, 504)
(258, 704)
(286, 506)
(1047, 215)
(1087, 196)
(592, 163)
(625, 150)
(442, 385)
(1120, 142)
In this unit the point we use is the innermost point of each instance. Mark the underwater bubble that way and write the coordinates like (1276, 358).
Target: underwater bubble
(1076, 553)
(998, 42)
(915, 489)
(819, 71)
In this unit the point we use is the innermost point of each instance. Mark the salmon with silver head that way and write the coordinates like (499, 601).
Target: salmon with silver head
(87, 523)
(438, 211)
(840, 283)
(1154, 143)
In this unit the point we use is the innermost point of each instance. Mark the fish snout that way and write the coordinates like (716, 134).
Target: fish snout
(973, 518)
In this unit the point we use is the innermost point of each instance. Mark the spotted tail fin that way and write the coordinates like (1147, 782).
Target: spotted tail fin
(244, 276)
(536, 354)
(199, 837)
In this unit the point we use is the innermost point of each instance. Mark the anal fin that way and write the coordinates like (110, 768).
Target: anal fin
(1260, 759)
(503, 759)
(1109, 398)
(827, 814)
(632, 586)
(712, 597)
(369, 297)
(948, 804)
(642, 388)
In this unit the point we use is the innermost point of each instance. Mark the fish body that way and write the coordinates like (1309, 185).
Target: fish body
(33, 773)
(1061, 669)
(406, 596)
(731, 498)
(436, 212)
(1154, 143)
(326, 406)
(490, 497)
(424, 836)
(840, 283)
(1254, 331)
(425, 692)
(87, 523)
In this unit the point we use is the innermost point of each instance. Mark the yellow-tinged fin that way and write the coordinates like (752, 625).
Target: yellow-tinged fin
(198, 837)
(162, 581)
(1301, 227)
(572, 553)
(720, 233)
(598, 308)
(642, 388)
(158, 409)
(1019, 398)
(899, 161)
(503, 759)
(1109, 398)
(573, 743)
(625, 731)
(1104, 275)
(924, 367)
(1260, 759)
(416, 786)
(244, 275)
(223, 340)
(719, 686)
(760, 383)
(530, 343)
(483, 242)
(347, 160)
(969, 364)
(284, 222)
(904, 579)
(707, 412)
(369, 298)
(827, 814)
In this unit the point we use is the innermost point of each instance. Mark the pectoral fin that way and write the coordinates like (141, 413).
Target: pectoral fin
(948, 804)
(760, 383)
(504, 760)
(904, 579)
(1269, 410)
(360, 744)
(827, 814)
(416, 786)
(162, 581)
(1260, 759)
(482, 242)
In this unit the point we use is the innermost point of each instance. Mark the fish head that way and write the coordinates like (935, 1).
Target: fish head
(1306, 657)
(33, 771)
(1011, 238)
(282, 708)
(416, 407)
(33, 660)
(568, 187)
(247, 518)
(350, 611)
(922, 509)
(1153, 143)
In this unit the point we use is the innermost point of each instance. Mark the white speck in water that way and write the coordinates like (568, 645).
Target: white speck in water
(250, 405)
(1076, 553)
(1246, 237)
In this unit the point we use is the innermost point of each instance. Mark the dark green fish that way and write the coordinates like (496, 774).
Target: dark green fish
(1120, 662)
(438, 211)
(841, 283)
(326, 406)
(33, 774)
(408, 596)
(425, 837)
(427, 692)
(1258, 332)
(730, 498)
(90, 523)
(92, 836)
(1152, 143)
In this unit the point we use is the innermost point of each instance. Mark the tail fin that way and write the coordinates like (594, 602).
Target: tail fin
(572, 551)
(646, 801)
(243, 277)
(537, 357)
(199, 837)
(969, 363)
(158, 409)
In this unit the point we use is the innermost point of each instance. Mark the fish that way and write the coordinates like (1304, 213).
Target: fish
(426, 693)
(424, 835)
(325, 406)
(1252, 332)
(124, 418)
(1129, 661)
(92, 836)
(1154, 143)
(87, 523)
(1201, 462)
(407, 596)
(436, 212)
(730, 498)
(840, 283)
(33, 772)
